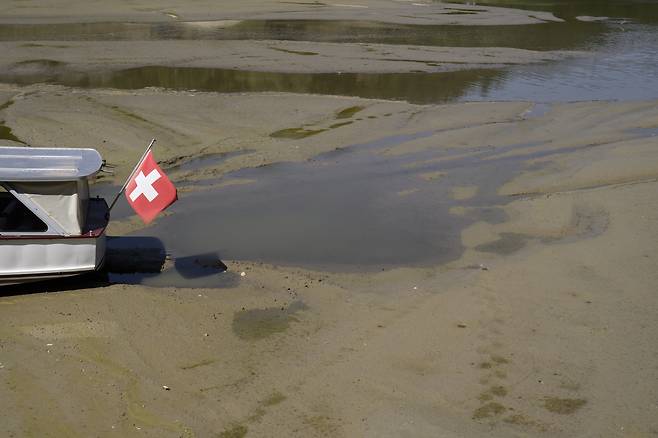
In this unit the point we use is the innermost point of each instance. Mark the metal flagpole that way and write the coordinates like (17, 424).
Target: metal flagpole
(116, 198)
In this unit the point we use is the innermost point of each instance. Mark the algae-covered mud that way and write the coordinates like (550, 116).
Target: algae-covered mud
(394, 219)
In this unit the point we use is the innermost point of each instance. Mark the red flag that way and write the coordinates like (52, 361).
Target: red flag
(149, 191)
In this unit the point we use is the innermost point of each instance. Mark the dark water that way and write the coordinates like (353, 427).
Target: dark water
(546, 36)
(412, 87)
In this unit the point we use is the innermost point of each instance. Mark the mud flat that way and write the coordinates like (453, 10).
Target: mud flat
(38, 62)
(394, 263)
(524, 329)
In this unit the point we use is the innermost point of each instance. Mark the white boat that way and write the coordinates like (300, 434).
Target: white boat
(49, 226)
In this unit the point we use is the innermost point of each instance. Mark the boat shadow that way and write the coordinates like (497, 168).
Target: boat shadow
(138, 260)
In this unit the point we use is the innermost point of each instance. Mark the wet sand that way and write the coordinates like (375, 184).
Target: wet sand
(540, 321)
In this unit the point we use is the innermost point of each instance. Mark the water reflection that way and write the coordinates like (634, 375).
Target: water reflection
(546, 36)
(412, 87)
(643, 11)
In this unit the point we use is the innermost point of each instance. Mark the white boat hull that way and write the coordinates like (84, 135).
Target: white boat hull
(26, 259)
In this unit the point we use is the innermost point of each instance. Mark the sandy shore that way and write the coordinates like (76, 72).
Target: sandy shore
(543, 324)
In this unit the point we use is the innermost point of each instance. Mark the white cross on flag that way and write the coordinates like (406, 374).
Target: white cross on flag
(149, 191)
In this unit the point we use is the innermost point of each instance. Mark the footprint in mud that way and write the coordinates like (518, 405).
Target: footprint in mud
(563, 406)
(586, 222)
(238, 430)
(494, 370)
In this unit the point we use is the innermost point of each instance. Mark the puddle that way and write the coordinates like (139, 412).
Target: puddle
(546, 36)
(353, 209)
(413, 87)
(348, 210)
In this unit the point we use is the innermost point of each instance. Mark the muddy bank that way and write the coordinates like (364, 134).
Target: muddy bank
(42, 62)
(374, 10)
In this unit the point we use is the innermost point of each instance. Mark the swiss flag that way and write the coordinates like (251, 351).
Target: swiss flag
(149, 191)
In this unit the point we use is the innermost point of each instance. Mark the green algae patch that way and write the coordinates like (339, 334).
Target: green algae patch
(338, 125)
(296, 133)
(488, 410)
(349, 112)
(237, 431)
(563, 406)
(6, 105)
(49, 46)
(498, 391)
(48, 63)
(274, 399)
(7, 134)
(294, 52)
(499, 359)
(201, 363)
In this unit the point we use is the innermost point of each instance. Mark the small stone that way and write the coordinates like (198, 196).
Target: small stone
(242, 274)
(166, 388)
(461, 325)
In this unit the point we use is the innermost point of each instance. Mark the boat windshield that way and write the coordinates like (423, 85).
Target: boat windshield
(16, 217)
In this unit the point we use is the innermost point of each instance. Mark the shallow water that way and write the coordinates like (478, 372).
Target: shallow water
(625, 67)
(643, 11)
(351, 209)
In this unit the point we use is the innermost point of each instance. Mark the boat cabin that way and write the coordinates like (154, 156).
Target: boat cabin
(49, 226)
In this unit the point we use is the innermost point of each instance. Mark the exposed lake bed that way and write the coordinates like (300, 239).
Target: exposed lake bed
(363, 255)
